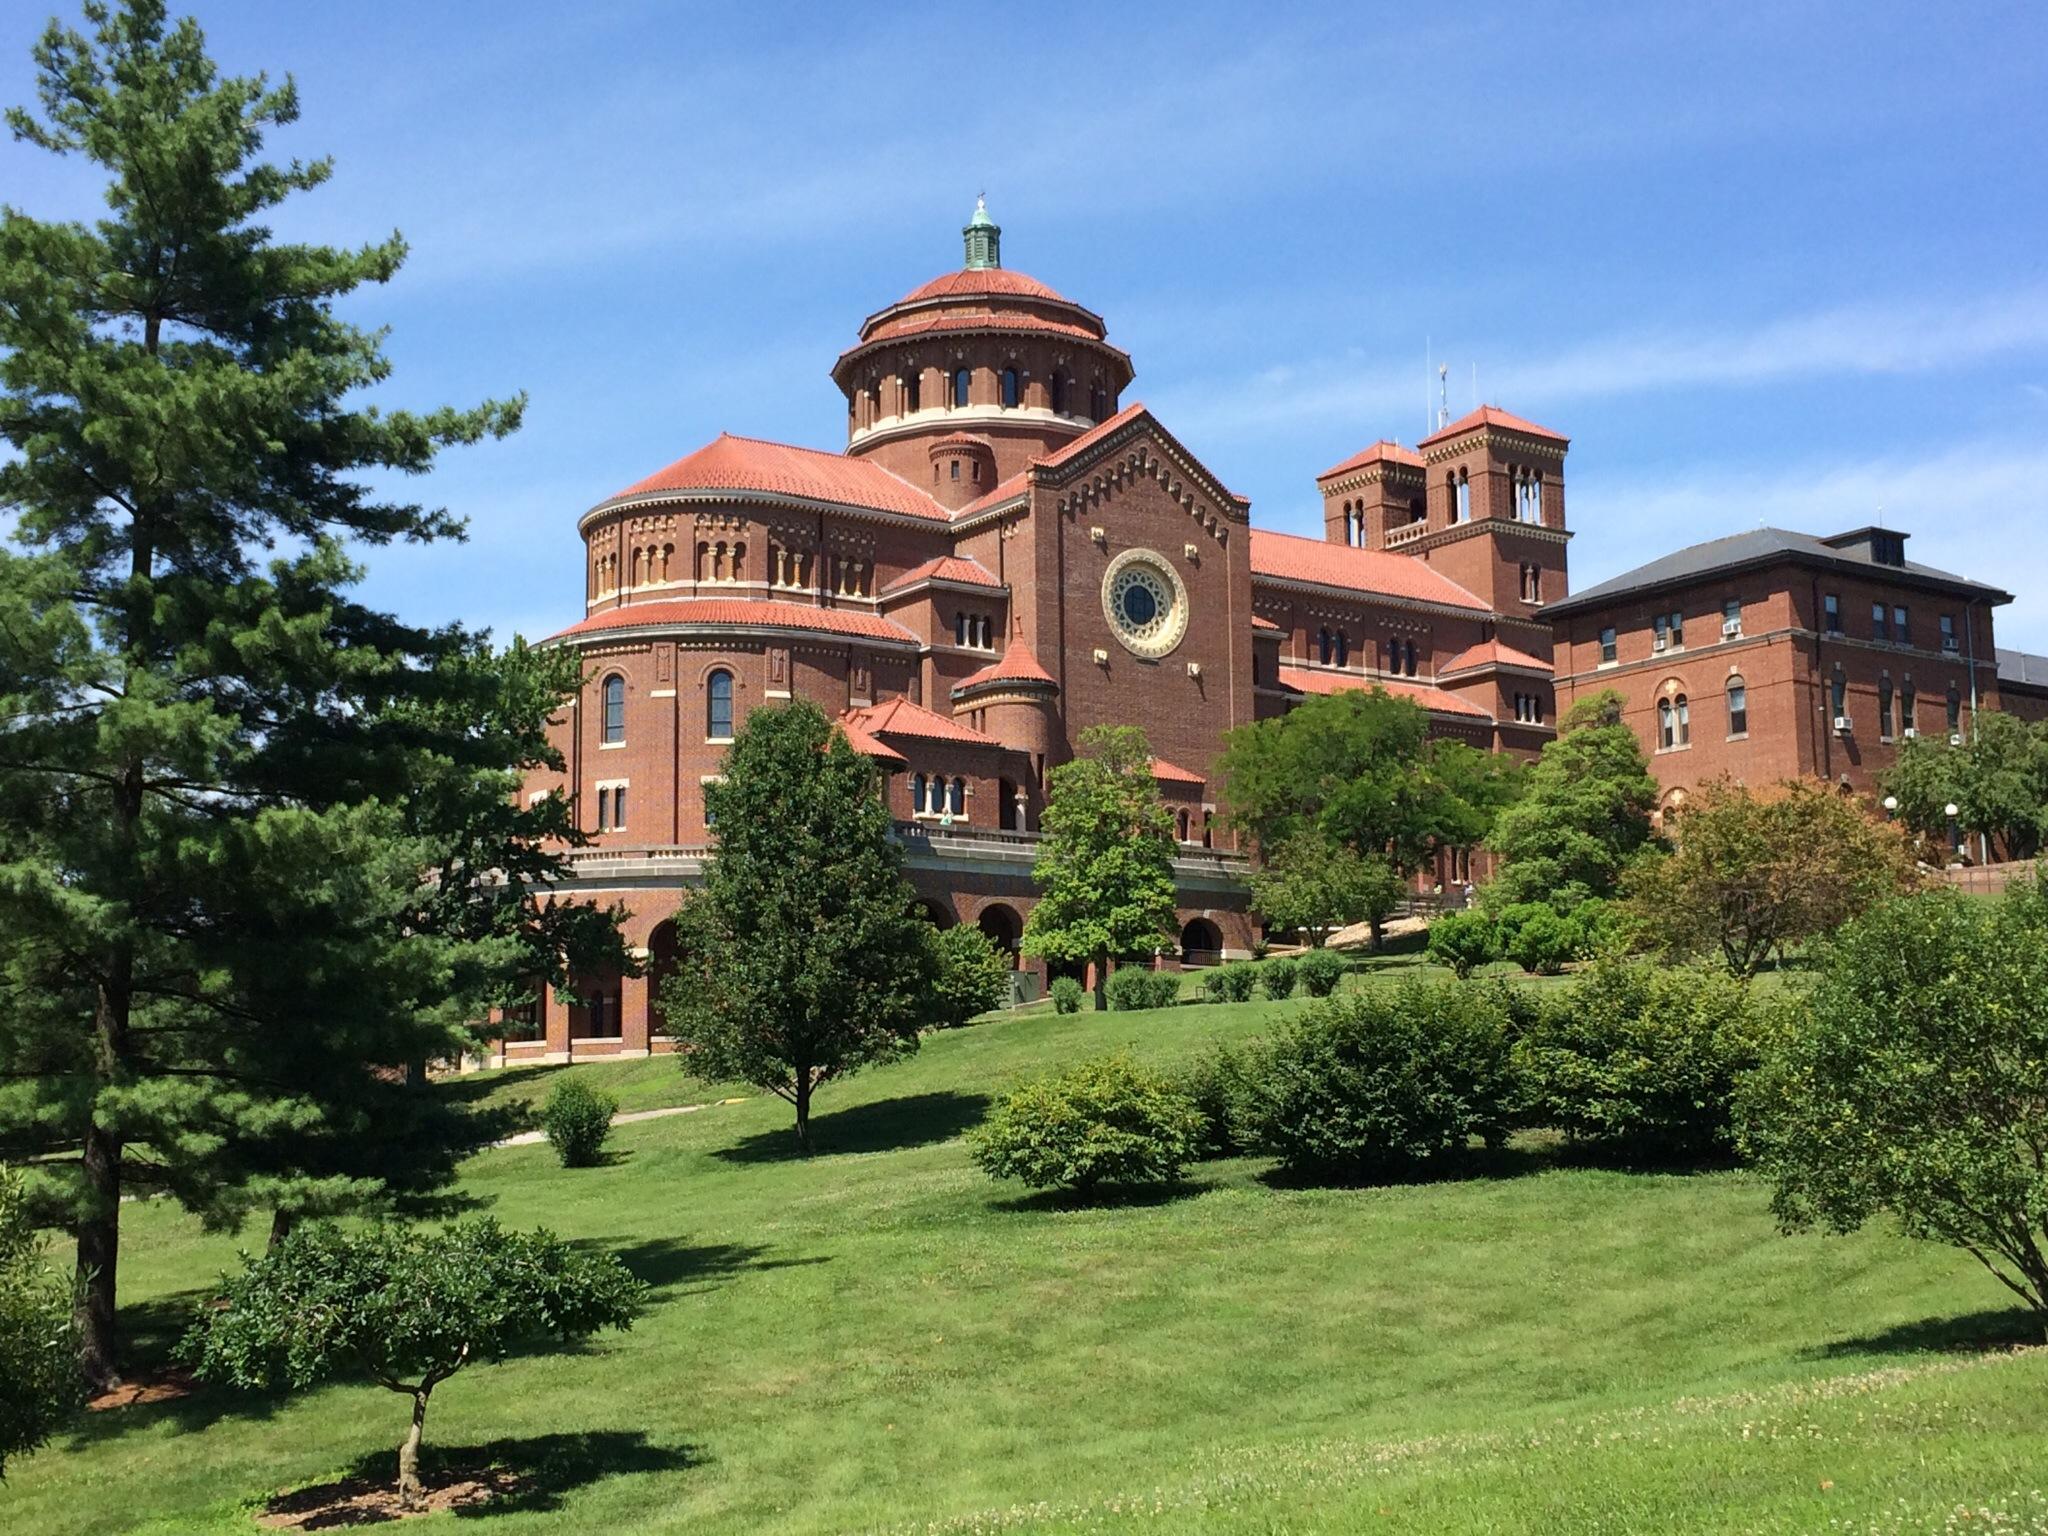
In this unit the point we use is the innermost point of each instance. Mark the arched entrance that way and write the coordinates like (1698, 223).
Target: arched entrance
(662, 956)
(1004, 929)
(1201, 943)
(936, 912)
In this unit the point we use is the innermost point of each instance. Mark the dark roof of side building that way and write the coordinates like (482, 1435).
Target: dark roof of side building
(1758, 547)
(2022, 668)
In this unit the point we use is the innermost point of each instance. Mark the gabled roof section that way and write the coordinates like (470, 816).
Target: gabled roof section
(1170, 773)
(1435, 700)
(857, 737)
(1371, 572)
(1069, 455)
(1754, 548)
(743, 613)
(900, 717)
(954, 568)
(1491, 416)
(1384, 451)
(729, 463)
(1017, 665)
(1491, 653)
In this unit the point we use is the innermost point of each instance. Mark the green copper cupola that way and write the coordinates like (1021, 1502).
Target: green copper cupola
(984, 239)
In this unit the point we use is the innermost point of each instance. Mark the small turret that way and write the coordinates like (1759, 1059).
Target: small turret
(984, 239)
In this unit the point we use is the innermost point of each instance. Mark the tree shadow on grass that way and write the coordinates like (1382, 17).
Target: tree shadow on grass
(887, 1125)
(1479, 1163)
(673, 1268)
(1965, 1333)
(535, 1474)
(1106, 1198)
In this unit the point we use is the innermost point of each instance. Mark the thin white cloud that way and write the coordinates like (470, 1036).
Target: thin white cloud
(1976, 509)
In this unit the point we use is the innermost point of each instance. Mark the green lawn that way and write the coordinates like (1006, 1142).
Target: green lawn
(880, 1340)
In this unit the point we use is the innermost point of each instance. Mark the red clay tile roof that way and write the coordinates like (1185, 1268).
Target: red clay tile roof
(1308, 680)
(1168, 773)
(1014, 486)
(1259, 623)
(866, 745)
(1492, 653)
(1018, 665)
(900, 717)
(970, 573)
(971, 282)
(1001, 319)
(1385, 449)
(746, 613)
(1286, 557)
(1068, 450)
(1491, 416)
(730, 463)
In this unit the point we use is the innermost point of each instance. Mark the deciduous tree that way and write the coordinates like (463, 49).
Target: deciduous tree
(803, 958)
(1997, 780)
(1583, 816)
(1105, 864)
(1316, 884)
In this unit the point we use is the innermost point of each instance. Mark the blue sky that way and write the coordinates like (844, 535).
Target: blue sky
(1781, 263)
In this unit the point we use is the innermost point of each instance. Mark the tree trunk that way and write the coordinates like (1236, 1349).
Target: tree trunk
(1101, 968)
(803, 1110)
(409, 1453)
(281, 1224)
(1377, 937)
(99, 1250)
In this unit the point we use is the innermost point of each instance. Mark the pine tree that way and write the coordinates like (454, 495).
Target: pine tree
(1105, 865)
(804, 957)
(221, 775)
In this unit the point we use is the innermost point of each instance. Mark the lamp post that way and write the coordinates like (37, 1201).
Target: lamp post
(1955, 837)
(1891, 806)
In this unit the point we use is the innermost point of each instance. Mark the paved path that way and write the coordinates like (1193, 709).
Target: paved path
(529, 1138)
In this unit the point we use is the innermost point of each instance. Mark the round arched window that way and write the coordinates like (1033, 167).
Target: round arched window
(1145, 603)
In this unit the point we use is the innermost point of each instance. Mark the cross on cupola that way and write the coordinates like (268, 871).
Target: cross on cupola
(984, 238)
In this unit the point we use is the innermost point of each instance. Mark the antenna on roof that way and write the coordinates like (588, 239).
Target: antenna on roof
(1428, 367)
(1443, 396)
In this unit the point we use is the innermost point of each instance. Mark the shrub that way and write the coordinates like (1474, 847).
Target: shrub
(1133, 987)
(1214, 1083)
(577, 1119)
(1107, 1121)
(1067, 994)
(1229, 983)
(1279, 976)
(973, 976)
(1597, 926)
(1641, 1061)
(38, 1353)
(1910, 1080)
(1541, 940)
(1321, 970)
(1464, 941)
(1381, 1084)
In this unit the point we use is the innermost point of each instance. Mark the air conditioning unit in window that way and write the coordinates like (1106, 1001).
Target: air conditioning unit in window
(1659, 643)
(1909, 733)
(1948, 644)
(1731, 627)
(1842, 724)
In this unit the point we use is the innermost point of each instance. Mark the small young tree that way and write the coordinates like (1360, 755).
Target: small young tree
(1754, 873)
(1584, 814)
(1914, 1079)
(974, 975)
(806, 959)
(1997, 780)
(1105, 864)
(1316, 884)
(38, 1355)
(404, 1309)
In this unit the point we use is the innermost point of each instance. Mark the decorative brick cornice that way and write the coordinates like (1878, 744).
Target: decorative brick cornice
(1514, 442)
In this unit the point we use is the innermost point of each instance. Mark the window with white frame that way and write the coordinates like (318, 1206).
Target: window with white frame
(718, 706)
(1738, 707)
(614, 720)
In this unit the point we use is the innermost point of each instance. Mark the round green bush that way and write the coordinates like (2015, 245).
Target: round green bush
(1321, 970)
(1067, 994)
(1540, 940)
(1279, 976)
(973, 975)
(1231, 983)
(1132, 987)
(577, 1120)
(1106, 1121)
(1641, 1061)
(1381, 1083)
(1464, 941)
(1214, 1083)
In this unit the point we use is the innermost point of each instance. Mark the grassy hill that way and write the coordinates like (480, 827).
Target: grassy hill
(879, 1339)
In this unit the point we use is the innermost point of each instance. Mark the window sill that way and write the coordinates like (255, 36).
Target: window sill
(1602, 666)
(1683, 746)
(1737, 736)
(717, 741)
(597, 1039)
(609, 746)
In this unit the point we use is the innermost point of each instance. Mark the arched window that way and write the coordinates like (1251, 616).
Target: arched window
(718, 706)
(960, 383)
(959, 804)
(1059, 393)
(1684, 721)
(1906, 698)
(1838, 693)
(1411, 658)
(614, 710)
(959, 629)
(918, 789)
(1394, 656)
(954, 466)
(1667, 725)
(1738, 708)
(913, 390)
(1323, 646)
(1884, 706)
(1098, 401)
(1343, 649)
(1010, 395)
(1183, 826)
(1464, 497)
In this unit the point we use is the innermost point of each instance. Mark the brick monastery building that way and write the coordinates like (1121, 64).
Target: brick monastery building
(1009, 551)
